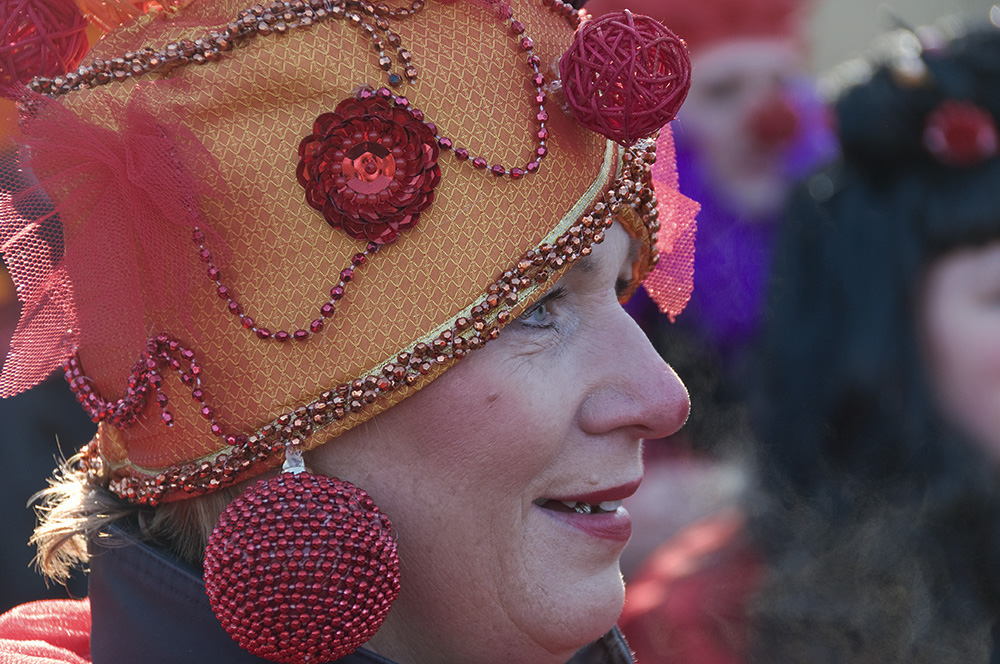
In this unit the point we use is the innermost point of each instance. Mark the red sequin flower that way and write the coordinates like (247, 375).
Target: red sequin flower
(960, 133)
(370, 167)
(625, 76)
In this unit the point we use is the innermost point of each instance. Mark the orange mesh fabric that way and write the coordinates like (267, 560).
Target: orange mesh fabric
(670, 283)
(215, 146)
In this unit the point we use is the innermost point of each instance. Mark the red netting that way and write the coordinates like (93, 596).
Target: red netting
(669, 284)
(38, 38)
(625, 76)
(130, 190)
(501, 8)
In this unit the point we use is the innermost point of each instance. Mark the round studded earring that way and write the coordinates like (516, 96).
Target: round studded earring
(301, 567)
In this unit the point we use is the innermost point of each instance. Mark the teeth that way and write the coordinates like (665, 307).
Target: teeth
(587, 508)
(580, 508)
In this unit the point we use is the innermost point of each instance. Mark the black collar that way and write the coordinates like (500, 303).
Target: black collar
(148, 606)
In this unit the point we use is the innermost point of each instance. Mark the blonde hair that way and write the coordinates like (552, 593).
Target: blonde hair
(76, 509)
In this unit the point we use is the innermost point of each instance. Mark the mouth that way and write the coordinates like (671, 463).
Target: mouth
(605, 501)
(579, 507)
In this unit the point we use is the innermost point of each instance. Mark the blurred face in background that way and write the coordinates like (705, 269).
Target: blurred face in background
(961, 325)
(740, 117)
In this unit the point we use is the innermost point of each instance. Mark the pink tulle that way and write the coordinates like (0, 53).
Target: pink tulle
(46, 632)
(670, 283)
(127, 193)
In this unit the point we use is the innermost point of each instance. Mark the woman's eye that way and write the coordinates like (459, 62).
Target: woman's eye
(538, 316)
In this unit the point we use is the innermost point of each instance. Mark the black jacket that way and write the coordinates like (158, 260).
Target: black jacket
(147, 606)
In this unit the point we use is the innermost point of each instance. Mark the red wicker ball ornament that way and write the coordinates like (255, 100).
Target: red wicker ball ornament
(39, 38)
(302, 568)
(625, 76)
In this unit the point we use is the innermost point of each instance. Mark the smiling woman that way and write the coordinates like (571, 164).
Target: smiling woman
(363, 397)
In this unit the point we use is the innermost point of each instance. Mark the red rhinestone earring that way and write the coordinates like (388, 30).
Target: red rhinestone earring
(301, 567)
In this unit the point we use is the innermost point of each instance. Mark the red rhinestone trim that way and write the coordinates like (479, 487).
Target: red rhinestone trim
(260, 19)
(468, 332)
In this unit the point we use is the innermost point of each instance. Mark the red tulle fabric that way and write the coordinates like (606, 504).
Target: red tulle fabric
(134, 183)
(39, 38)
(670, 283)
(46, 632)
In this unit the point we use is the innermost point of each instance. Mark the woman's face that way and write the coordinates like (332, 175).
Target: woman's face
(962, 336)
(471, 471)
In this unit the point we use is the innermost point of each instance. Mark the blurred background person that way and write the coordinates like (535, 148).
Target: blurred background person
(879, 418)
(752, 125)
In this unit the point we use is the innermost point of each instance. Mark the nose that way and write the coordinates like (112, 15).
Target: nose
(636, 390)
(773, 121)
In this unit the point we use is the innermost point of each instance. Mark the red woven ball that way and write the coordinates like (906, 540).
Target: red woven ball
(39, 38)
(625, 76)
(301, 568)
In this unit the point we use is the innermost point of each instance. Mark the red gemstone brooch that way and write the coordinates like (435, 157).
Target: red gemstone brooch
(370, 167)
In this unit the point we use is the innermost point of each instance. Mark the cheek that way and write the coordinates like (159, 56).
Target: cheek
(476, 439)
(713, 124)
(964, 354)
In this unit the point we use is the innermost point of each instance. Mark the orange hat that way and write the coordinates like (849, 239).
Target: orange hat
(269, 224)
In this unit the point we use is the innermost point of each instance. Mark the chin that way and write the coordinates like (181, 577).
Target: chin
(592, 610)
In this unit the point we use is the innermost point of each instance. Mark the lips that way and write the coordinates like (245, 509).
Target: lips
(598, 513)
(617, 493)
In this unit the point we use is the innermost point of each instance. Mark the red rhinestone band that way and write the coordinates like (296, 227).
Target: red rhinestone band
(467, 333)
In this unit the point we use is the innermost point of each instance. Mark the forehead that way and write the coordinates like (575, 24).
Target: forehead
(746, 57)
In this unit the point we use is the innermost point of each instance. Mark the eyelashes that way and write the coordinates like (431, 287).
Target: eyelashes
(540, 315)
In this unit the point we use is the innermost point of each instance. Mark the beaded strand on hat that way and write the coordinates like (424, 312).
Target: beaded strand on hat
(279, 18)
